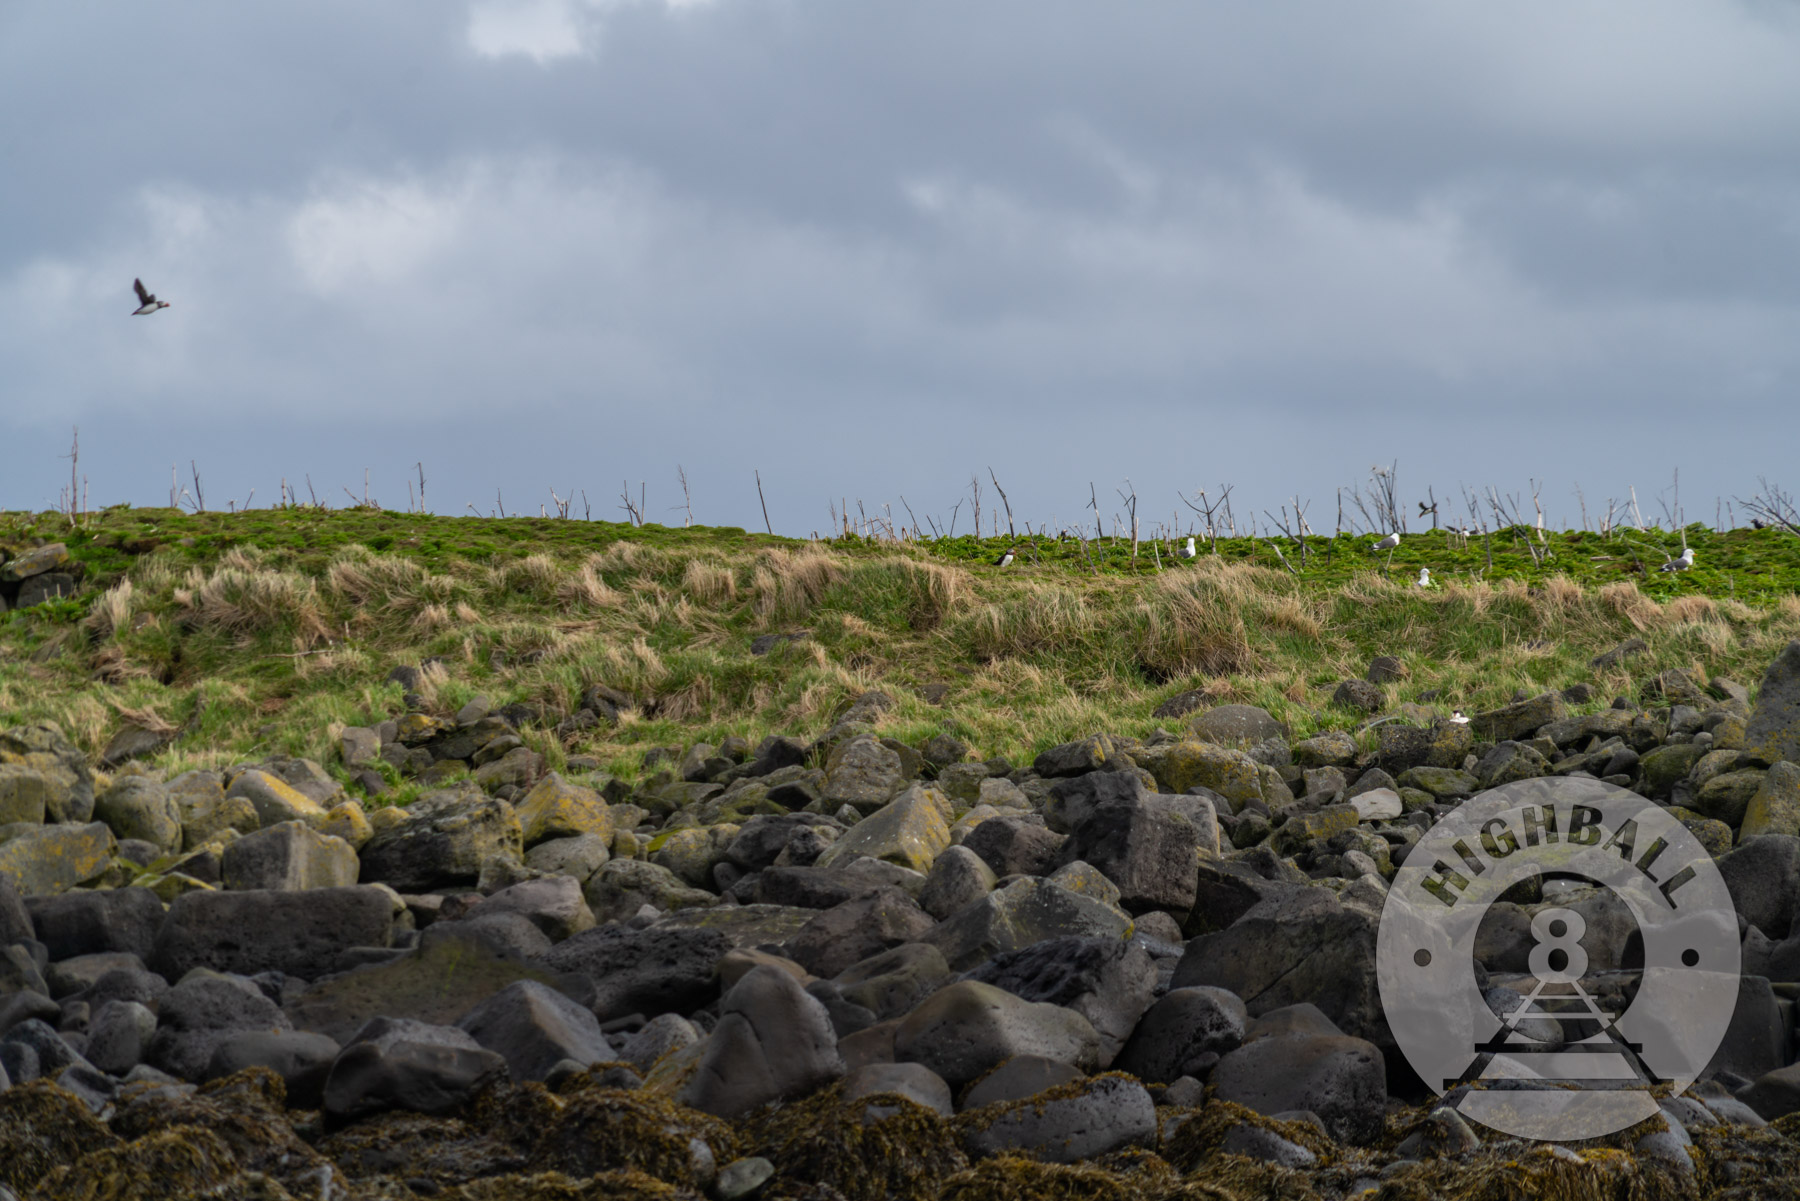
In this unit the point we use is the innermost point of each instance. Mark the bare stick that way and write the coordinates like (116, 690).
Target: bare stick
(421, 466)
(767, 525)
(1010, 533)
(687, 498)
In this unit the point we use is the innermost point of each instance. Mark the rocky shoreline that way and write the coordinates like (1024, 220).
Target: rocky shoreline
(839, 968)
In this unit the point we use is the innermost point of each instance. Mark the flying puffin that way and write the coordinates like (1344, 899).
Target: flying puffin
(147, 301)
(1187, 552)
(1006, 557)
(1682, 564)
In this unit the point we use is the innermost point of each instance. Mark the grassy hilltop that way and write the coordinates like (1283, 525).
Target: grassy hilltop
(268, 631)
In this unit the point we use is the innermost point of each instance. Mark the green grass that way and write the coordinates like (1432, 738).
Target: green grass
(281, 625)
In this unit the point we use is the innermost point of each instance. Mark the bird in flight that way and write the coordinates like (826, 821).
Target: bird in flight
(147, 301)
(1006, 558)
(1682, 564)
(1188, 551)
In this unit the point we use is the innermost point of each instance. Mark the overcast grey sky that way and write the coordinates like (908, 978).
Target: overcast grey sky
(872, 247)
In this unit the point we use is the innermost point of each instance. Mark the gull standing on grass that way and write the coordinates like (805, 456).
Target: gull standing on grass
(1682, 564)
(1188, 551)
(1424, 580)
(1388, 544)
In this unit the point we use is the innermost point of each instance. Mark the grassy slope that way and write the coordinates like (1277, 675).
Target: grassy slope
(286, 623)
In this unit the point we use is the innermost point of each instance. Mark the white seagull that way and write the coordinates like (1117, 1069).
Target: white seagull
(1388, 543)
(1424, 580)
(1187, 552)
(147, 301)
(1457, 717)
(1005, 559)
(1682, 564)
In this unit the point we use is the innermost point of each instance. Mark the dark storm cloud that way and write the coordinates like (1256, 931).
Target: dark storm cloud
(872, 247)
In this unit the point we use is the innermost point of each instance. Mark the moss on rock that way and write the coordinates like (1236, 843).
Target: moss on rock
(877, 1147)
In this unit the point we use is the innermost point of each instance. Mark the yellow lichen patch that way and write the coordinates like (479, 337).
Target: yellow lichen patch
(876, 1147)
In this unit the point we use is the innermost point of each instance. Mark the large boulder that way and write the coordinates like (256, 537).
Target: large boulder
(643, 971)
(1773, 732)
(303, 934)
(275, 800)
(1763, 877)
(1096, 752)
(623, 886)
(442, 842)
(301, 1058)
(97, 922)
(963, 1030)
(1443, 744)
(1183, 1033)
(1775, 807)
(288, 857)
(534, 1027)
(773, 1042)
(24, 795)
(1518, 721)
(140, 807)
(399, 1063)
(200, 1013)
(958, 877)
(553, 904)
(46, 859)
(68, 782)
(1236, 725)
(1300, 946)
(1110, 983)
(1147, 847)
(889, 984)
(911, 830)
(1082, 1120)
(857, 929)
(1298, 1062)
(15, 917)
(555, 808)
(1232, 774)
(1016, 846)
(1026, 911)
(863, 773)
(450, 973)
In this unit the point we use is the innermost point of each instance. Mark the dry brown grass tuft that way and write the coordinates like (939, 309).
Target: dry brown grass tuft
(709, 583)
(536, 577)
(584, 589)
(111, 614)
(1690, 608)
(244, 602)
(790, 584)
(1624, 599)
(1037, 620)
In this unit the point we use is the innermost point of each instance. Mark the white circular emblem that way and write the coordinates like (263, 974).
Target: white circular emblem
(1560, 1064)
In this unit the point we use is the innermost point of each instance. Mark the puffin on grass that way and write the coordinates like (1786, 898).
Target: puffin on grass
(1006, 557)
(147, 301)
